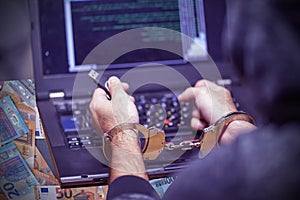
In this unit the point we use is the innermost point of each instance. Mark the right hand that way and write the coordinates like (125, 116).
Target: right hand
(212, 102)
(107, 114)
(126, 156)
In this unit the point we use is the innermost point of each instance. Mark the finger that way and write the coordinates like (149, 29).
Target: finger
(210, 86)
(188, 95)
(205, 83)
(203, 124)
(196, 113)
(201, 83)
(121, 101)
(125, 86)
(198, 124)
(115, 86)
(99, 97)
(93, 109)
(132, 99)
(100, 108)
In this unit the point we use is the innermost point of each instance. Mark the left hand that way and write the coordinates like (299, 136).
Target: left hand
(212, 102)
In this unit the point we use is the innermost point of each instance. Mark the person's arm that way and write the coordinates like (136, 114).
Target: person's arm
(128, 177)
(213, 102)
(126, 156)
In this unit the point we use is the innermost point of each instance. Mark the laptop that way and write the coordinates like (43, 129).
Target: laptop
(158, 47)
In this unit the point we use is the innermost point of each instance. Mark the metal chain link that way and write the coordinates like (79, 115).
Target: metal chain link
(184, 145)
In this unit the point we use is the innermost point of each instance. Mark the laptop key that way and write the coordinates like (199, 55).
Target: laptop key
(159, 110)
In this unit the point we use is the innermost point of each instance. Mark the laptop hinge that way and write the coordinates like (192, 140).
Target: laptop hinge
(56, 94)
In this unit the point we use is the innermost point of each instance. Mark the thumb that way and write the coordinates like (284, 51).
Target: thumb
(115, 86)
(99, 96)
(99, 101)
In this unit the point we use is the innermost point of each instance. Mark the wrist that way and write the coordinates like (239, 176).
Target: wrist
(126, 140)
(213, 134)
(126, 156)
(128, 136)
(234, 129)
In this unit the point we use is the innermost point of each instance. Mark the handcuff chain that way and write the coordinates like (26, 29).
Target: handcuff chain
(184, 145)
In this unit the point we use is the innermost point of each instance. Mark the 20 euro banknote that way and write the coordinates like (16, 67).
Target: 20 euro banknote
(16, 179)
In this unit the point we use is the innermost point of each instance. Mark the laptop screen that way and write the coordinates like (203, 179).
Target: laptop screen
(82, 25)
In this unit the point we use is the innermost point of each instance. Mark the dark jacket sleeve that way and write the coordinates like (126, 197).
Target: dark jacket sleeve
(131, 187)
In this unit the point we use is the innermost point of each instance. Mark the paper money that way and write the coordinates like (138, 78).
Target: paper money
(26, 143)
(2, 195)
(42, 171)
(44, 179)
(55, 192)
(162, 184)
(20, 91)
(12, 125)
(7, 90)
(25, 90)
(40, 163)
(16, 179)
(102, 191)
(39, 131)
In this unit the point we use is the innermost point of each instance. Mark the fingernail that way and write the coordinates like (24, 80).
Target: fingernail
(113, 79)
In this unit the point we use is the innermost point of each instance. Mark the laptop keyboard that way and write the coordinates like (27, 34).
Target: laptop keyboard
(163, 111)
(76, 123)
(158, 110)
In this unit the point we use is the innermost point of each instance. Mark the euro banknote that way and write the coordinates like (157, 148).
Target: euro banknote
(57, 193)
(12, 125)
(42, 171)
(25, 89)
(162, 184)
(26, 143)
(16, 180)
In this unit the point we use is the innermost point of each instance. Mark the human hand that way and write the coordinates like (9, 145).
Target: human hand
(212, 102)
(107, 114)
(126, 156)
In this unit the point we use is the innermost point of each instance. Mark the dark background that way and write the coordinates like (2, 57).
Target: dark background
(15, 48)
(15, 40)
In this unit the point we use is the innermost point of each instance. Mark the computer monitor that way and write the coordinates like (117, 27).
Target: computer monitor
(66, 31)
(84, 24)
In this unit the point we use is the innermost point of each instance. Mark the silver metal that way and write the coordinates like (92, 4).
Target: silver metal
(94, 75)
(184, 145)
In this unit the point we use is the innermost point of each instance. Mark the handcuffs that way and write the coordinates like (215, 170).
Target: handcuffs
(155, 141)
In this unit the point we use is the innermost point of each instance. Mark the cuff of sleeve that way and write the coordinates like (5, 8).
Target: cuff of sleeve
(131, 185)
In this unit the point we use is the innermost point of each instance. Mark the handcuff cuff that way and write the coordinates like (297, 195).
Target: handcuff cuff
(155, 141)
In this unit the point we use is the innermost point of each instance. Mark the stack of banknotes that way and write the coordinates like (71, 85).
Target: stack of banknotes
(24, 172)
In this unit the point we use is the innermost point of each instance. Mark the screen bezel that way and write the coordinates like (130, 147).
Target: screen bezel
(214, 19)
